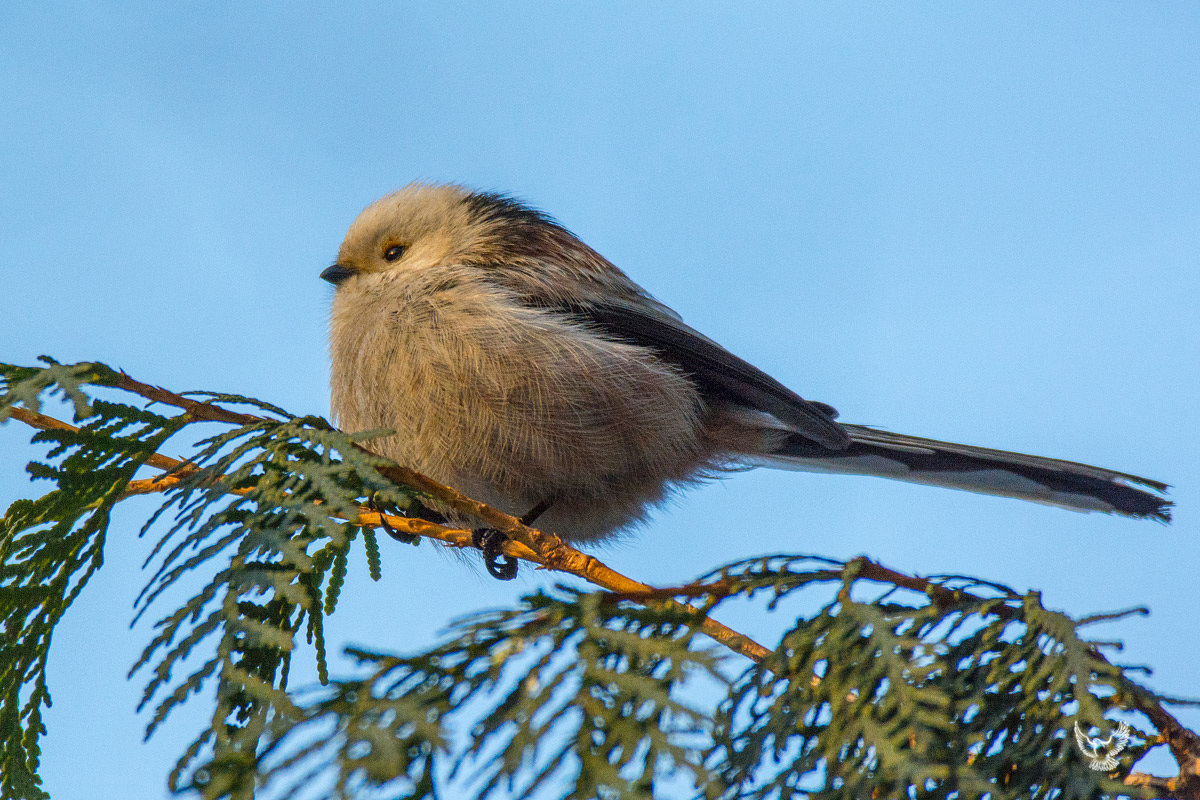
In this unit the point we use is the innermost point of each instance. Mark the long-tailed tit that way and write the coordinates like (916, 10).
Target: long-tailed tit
(518, 365)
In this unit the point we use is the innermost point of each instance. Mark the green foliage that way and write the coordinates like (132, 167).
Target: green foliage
(50, 546)
(883, 697)
(570, 690)
(880, 698)
(261, 507)
(966, 689)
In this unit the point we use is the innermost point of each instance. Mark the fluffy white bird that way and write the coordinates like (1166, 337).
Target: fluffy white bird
(518, 365)
(1102, 753)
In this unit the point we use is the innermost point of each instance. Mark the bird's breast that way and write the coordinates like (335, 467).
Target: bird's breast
(481, 390)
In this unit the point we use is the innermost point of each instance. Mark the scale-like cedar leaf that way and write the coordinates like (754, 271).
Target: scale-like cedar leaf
(50, 546)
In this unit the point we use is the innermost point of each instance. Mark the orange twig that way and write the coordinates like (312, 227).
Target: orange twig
(528, 544)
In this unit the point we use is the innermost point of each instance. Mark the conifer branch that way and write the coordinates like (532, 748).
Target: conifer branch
(545, 550)
(277, 626)
(1183, 743)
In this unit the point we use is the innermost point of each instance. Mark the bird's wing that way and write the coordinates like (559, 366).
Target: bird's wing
(820, 444)
(1081, 739)
(1121, 738)
(718, 373)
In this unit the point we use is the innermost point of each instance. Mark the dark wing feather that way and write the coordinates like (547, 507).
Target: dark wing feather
(719, 374)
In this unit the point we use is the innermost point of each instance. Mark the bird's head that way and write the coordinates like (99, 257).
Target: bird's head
(424, 226)
(417, 225)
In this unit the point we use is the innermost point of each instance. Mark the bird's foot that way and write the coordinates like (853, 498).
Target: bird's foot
(383, 509)
(499, 565)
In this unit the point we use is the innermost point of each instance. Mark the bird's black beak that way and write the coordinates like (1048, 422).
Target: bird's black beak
(336, 274)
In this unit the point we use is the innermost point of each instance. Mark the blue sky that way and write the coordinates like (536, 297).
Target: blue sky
(977, 222)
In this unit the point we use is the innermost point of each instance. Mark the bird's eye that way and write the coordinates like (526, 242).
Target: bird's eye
(393, 252)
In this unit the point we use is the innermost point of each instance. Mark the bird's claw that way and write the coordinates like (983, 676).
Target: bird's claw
(399, 536)
(499, 565)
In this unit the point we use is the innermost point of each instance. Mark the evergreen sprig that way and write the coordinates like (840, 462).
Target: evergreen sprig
(883, 698)
(864, 697)
(51, 545)
(265, 510)
(571, 689)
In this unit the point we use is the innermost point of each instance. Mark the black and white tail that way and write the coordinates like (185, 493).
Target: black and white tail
(976, 469)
